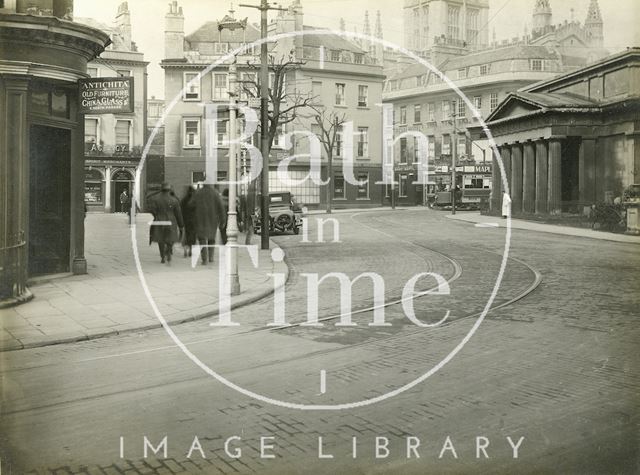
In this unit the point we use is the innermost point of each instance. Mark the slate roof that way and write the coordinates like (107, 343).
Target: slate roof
(208, 33)
(330, 42)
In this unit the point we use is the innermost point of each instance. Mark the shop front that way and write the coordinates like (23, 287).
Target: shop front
(41, 151)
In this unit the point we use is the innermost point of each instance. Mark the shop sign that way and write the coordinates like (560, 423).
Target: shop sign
(106, 95)
(482, 169)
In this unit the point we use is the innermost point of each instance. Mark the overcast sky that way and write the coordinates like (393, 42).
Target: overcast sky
(507, 17)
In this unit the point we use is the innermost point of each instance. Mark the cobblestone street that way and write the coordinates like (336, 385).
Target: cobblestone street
(547, 382)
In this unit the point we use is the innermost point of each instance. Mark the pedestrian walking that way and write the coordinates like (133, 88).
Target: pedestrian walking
(125, 201)
(209, 216)
(167, 223)
(506, 204)
(188, 208)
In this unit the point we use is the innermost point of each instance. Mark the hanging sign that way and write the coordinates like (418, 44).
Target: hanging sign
(106, 95)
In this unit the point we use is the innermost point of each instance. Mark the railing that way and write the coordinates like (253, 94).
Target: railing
(13, 271)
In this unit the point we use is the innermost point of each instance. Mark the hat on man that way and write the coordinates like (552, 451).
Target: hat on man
(166, 186)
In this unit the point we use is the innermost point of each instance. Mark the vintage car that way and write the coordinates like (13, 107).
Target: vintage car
(284, 214)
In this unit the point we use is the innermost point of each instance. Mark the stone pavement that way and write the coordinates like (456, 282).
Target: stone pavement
(493, 221)
(111, 300)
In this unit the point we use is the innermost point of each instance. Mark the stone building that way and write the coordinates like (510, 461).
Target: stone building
(570, 141)
(43, 54)
(343, 75)
(113, 142)
(423, 102)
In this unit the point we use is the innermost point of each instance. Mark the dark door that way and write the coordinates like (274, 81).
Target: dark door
(49, 202)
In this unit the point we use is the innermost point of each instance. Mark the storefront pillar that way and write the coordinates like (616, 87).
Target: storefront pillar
(516, 178)
(554, 199)
(587, 171)
(529, 178)
(542, 178)
(107, 190)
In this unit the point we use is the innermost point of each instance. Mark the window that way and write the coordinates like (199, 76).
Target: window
(316, 88)
(432, 146)
(358, 58)
(446, 110)
(462, 73)
(416, 149)
(197, 177)
(220, 86)
(536, 65)
(191, 91)
(340, 99)
(477, 102)
(191, 133)
(222, 137)
(402, 186)
(453, 22)
(363, 96)
(335, 55)
(431, 112)
(494, 100)
(403, 114)
(93, 72)
(339, 193)
(91, 133)
(123, 135)
(247, 84)
(446, 144)
(278, 139)
(462, 109)
(363, 141)
(461, 147)
(484, 69)
(363, 185)
(124, 73)
(403, 150)
(221, 48)
(339, 144)
(472, 26)
(417, 110)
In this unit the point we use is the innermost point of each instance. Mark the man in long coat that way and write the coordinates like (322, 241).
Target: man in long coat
(209, 214)
(167, 221)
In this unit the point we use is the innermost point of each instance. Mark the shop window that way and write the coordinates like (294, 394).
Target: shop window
(191, 133)
(191, 89)
(93, 187)
(363, 186)
(339, 192)
(402, 186)
(40, 102)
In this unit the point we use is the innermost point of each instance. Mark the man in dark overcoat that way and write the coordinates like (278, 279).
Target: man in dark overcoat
(209, 214)
(167, 221)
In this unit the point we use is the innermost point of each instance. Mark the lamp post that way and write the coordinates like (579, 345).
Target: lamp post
(454, 151)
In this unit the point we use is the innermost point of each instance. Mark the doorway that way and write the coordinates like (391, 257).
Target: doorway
(569, 173)
(122, 181)
(49, 200)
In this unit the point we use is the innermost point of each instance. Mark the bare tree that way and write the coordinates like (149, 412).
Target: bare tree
(330, 124)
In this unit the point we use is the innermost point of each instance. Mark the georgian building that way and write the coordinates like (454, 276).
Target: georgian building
(113, 142)
(423, 102)
(342, 75)
(570, 141)
(43, 54)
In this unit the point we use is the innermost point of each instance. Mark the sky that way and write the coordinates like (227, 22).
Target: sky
(508, 17)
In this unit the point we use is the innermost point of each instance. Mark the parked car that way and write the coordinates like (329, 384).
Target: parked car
(285, 214)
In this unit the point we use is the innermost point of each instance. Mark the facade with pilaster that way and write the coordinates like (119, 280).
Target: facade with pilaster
(572, 141)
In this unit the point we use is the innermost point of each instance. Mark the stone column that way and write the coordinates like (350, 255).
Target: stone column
(587, 171)
(542, 177)
(107, 190)
(506, 162)
(529, 178)
(496, 183)
(554, 197)
(78, 261)
(516, 179)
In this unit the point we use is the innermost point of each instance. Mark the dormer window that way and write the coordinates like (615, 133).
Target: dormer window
(537, 65)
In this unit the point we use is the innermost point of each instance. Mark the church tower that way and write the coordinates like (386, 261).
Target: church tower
(594, 25)
(542, 16)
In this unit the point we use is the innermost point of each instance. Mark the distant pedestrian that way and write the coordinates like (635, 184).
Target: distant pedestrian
(125, 201)
(209, 214)
(506, 204)
(168, 223)
(188, 208)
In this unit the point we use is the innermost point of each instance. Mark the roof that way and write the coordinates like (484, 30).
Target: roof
(543, 102)
(94, 24)
(209, 33)
(330, 42)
